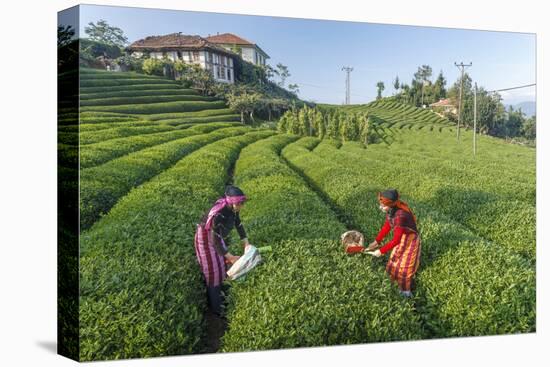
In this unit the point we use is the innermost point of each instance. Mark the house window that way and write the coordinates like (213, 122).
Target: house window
(218, 74)
(210, 56)
(195, 55)
(179, 55)
(228, 74)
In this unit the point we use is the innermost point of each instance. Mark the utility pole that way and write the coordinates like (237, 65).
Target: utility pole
(348, 70)
(475, 115)
(461, 66)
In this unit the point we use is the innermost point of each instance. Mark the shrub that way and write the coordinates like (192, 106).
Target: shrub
(352, 190)
(141, 291)
(307, 293)
(99, 153)
(102, 186)
(162, 107)
(153, 66)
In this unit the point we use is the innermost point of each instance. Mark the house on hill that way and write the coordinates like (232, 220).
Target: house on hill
(249, 51)
(190, 49)
(444, 106)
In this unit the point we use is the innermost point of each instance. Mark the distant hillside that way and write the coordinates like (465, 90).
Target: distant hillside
(528, 108)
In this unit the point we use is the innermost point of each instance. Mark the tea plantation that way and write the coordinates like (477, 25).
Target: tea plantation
(153, 157)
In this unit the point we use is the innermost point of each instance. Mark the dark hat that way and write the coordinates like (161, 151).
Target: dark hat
(390, 194)
(233, 191)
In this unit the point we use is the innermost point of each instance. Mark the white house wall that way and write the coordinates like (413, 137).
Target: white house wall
(248, 54)
(187, 57)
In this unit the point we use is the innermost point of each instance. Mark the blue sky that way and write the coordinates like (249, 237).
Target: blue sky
(316, 50)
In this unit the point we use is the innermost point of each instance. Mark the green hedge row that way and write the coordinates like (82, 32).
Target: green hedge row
(88, 83)
(112, 101)
(139, 93)
(153, 108)
(474, 192)
(476, 290)
(352, 188)
(94, 125)
(185, 115)
(99, 153)
(307, 292)
(92, 137)
(97, 126)
(141, 290)
(175, 122)
(102, 186)
(86, 74)
(129, 88)
(67, 156)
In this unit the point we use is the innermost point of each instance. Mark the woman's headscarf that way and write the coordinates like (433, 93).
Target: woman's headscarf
(233, 195)
(391, 199)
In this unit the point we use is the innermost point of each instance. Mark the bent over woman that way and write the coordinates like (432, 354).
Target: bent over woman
(210, 242)
(405, 244)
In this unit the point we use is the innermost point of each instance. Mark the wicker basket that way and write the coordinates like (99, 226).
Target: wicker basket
(352, 238)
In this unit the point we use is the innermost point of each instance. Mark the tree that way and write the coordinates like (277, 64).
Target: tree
(269, 71)
(349, 129)
(153, 66)
(404, 95)
(380, 88)
(529, 128)
(199, 78)
(304, 122)
(68, 55)
(423, 75)
(283, 73)
(514, 122)
(65, 35)
(364, 128)
(467, 101)
(320, 123)
(284, 122)
(333, 125)
(396, 84)
(439, 91)
(103, 32)
(244, 103)
(294, 88)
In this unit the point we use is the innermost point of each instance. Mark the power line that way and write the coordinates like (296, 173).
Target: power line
(505, 89)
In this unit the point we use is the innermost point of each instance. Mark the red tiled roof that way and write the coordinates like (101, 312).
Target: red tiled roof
(229, 38)
(443, 102)
(232, 39)
(175, 41)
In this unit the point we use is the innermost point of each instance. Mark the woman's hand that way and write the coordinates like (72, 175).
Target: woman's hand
(373, 246)
(245, 243)
(376, 253)
(231, 258)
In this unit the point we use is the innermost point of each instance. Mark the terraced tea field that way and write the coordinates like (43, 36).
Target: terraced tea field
(154, 157)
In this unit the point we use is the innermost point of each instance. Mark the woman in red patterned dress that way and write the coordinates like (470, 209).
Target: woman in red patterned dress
(405, 244)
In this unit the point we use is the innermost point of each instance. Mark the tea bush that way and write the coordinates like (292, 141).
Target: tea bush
(99, 153)
(163, 107)
(307, 293)
(141, 290)
(102, 186)
(352, 188)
